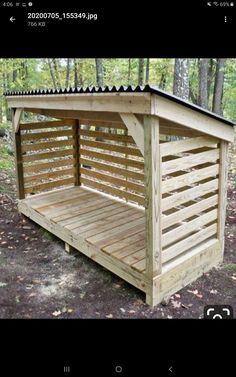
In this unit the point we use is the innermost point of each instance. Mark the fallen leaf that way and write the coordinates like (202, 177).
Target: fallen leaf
(169, 316)
(176, 304)
(117, 286)
(233, 277)
(195, 292)
(184, 306)
(177, 295)
(122, 310)
(132, 311)
(214, 291)
(32, 295)
(109, 316)
(69, 310)
(56, 313)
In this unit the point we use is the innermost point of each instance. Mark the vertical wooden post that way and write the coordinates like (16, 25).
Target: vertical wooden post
(18, 159)
(76, 153)
(223, 180)
(152, 169)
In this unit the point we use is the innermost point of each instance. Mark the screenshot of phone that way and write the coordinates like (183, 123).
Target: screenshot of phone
(117, 188)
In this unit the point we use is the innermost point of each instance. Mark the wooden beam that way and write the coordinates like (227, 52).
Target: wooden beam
(110, 102)
(152, 168)
(16, 118)
(135, 129)
(167, 109)
(86, 116)
(18, 157)
(223, 183)
(76, 152)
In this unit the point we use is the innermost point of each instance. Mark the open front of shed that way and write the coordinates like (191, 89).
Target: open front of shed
(134, 178)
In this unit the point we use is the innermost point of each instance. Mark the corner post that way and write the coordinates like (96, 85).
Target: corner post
(18, 156)
(223, 178)
(153, 198)
(76, 153)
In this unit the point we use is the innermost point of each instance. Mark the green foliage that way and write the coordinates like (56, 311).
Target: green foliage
(6, 161)
(24, 74)
(231, 267)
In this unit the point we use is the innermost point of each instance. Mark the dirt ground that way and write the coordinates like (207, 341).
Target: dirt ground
(38, 279)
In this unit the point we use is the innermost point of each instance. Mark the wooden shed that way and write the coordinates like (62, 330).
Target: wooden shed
(132, 177)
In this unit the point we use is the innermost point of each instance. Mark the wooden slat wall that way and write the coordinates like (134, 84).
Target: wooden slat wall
(111, 162)
(190, 183)
(49, 154)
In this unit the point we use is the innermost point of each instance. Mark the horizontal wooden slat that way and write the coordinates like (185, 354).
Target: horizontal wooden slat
(113, 169)
(48, 155)
(46, 135)
(189, 161)
(188, 243)
(48, 175)
(110, 190)
(185, 196)
(50, 124)
(189, 211)
(49, 144)
(94, 213)
(178, 131)
(113, 180)
(96, 228)
(49, 185)
(110, 158)
(186, 145)
(124, 242)
(183, 230)
(103, 237)
(107, 136)
(130, 249)
(48, 165)
(106, 124)
(189, 178)
(111, 147)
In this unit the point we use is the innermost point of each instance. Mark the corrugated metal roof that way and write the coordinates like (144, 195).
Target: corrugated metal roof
(119, 89)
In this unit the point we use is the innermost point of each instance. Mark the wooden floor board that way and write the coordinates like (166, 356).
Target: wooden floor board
(109, 225)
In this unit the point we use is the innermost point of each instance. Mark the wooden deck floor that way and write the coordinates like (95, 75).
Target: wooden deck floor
(108, 231)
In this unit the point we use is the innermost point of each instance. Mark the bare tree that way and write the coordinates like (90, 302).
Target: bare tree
(147, 70)
(75, 73)
(203, 83)
(52, 73)
(54, 62)
(129, 71)
(99, 72)
(67, 72)
(181, 78)
(218, 87)
(140, 71)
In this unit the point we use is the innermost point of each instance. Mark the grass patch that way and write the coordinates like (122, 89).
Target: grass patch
(231, 267)
(47, 235)
(6, 161)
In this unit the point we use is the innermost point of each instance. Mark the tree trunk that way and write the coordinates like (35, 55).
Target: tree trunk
(67, 73)
(203, 83)
(52, 73)
(129, 71)
(140, 71)
(99, 72)
(147, 70)
(75, 73)
(218, 87)
(211, 75)
(58, 81)
(181, 79)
